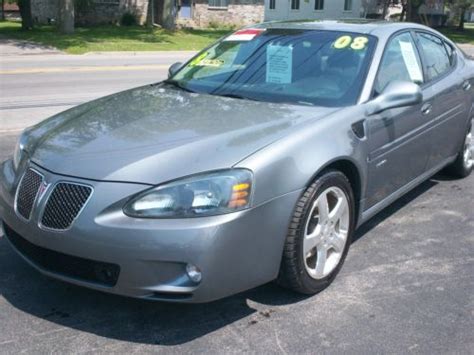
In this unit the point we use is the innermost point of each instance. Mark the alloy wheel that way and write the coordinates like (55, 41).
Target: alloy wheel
(326, 232)
(468, 153)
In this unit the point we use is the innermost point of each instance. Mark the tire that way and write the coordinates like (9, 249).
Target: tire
(464, 163)
(296, 270)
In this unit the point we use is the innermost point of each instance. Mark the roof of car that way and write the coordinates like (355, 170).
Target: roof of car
(347, 25)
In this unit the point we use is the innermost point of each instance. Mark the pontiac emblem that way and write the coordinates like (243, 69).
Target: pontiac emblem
(42, 189)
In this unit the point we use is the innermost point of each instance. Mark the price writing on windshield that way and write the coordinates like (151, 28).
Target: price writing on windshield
(346, 41)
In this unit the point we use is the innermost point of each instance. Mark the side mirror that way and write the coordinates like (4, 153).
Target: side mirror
(396, 94)
(174, 68)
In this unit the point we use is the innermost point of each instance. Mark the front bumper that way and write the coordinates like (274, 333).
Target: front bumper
(235, 252)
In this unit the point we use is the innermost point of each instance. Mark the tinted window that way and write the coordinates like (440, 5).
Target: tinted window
(319, 5)
(313, 67)
(400, 62)
(437, 61)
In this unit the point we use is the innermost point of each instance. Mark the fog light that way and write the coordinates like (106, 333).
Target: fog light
(194, 273)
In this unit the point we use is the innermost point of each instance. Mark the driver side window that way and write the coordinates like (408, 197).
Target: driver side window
(400, 62)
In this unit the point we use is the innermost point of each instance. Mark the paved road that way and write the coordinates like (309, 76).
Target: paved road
(34, 87)
(407, 285)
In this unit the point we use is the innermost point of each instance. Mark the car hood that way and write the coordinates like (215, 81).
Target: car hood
(158, 133)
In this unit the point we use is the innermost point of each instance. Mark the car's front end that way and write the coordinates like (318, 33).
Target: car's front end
(76, 230)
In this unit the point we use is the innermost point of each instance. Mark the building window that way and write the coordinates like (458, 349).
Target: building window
(218, 3)
(295, 4)
(319, 5)
(272, 4)
(347, 5)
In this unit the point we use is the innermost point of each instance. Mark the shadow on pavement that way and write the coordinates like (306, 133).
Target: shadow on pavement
(141, 321)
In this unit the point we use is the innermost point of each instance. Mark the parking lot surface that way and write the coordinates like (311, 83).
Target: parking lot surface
(407, 286)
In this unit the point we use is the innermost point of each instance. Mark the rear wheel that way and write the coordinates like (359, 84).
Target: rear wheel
(319, 235)
(464, 163)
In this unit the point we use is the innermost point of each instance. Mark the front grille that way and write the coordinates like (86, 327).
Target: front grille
(64, 205)
(27, 193)
(66, 265)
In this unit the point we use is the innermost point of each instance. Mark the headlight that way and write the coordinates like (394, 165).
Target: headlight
(200, 195)
(18, 152)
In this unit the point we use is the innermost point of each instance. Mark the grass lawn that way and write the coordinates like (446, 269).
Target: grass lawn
(136, 38)
(113, 38)
(466, 36)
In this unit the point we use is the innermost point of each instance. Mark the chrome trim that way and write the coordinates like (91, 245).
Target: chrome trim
(40, 219)
(15, 202)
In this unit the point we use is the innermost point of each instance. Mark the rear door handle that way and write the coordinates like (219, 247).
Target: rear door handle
(466, 86)
(426, 108)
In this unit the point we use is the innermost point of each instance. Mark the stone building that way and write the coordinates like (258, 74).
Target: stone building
(192, 13)
(203, 13)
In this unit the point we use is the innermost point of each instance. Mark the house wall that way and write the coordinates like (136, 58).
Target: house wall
(102, 12)
(237, 13)
(333, 9)
(44, 10)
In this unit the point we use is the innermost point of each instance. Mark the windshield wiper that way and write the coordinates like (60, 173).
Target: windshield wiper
(178, 85)
(237, 96)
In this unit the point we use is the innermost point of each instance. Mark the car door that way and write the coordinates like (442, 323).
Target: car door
(449, 107)
(397, 151)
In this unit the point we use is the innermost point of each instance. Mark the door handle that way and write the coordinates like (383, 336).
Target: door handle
(426, 108)
(466, 86)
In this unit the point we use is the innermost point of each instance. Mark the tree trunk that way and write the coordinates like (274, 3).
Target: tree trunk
(66, 16)
(25, 13)
(461, 20)
(404, 12)
(385, 9)
(3, 10)
(168, 20)
(150, 19)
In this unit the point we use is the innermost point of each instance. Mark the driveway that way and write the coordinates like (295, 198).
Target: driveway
(13, 47)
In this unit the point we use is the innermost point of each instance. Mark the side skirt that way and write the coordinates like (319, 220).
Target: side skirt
(372, 211)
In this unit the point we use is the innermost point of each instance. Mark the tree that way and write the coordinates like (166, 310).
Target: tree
(25, 13)
(66, 16)
(463, 5)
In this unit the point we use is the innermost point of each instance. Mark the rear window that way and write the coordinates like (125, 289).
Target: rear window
(313, 67)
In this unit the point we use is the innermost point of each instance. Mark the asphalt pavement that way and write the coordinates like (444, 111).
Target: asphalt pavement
(36, 86)
(407, 285)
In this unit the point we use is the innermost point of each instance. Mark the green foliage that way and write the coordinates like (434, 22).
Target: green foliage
(216, 25)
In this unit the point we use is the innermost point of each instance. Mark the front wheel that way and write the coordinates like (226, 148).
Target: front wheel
(319, 235)
(464, 163)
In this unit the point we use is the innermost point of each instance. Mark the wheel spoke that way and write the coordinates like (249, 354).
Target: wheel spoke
(337, 242)
(338, 210)
(321, 262)
(323, 208)
(311, 241)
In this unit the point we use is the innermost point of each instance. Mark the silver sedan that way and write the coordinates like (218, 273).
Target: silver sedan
(255, 161)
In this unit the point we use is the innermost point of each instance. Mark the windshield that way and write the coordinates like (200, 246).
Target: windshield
(324, 68)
